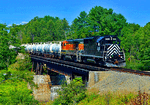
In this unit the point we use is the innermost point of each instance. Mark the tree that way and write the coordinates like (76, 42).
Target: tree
(100, 21)
(65, 28)
(144, 48)
(105, 22)
(79, 26)
(7, 55)
(4, 46)
(130, 44)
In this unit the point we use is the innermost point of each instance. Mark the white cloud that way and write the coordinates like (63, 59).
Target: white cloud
(9, 25)
(24, 22)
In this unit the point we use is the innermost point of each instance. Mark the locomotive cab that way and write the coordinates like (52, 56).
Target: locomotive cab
(104, 42)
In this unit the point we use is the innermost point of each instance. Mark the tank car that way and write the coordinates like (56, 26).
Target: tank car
(55, 49)
(39, 48)
(29, 48)
(34, 48)
(46, 49)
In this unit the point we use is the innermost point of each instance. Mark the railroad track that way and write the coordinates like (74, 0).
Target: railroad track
(94, 67)
(142, 73)
(83, 66)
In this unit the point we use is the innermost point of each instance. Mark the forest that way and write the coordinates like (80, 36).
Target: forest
(99, 21)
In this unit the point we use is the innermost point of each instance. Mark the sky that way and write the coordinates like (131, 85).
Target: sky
(22, 11)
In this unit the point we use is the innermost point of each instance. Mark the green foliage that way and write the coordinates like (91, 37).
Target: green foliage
(13, 90)
(13, 84)
(44, 29)
(98, 22)
(106, 99)
(6, 55)
(144, 47)
(24, 64)
(71, 93)
(135, 41)
(130, 44)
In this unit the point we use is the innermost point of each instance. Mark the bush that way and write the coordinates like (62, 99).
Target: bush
(13, 84)
(13, 91)
(71, 93)
(24, 64)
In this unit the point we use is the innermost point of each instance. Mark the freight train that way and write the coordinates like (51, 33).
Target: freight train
(102, 50)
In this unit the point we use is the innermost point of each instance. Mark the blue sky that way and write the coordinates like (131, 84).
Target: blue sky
(22, 11)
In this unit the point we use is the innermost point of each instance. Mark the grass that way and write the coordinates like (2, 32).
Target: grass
(115, 98)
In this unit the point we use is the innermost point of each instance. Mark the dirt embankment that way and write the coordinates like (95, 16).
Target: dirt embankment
(112, 81)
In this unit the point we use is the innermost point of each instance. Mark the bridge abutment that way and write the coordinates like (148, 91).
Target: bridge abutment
(96, 76)
(43, 92)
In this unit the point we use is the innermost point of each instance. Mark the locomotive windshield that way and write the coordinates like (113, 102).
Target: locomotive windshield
(111, 41)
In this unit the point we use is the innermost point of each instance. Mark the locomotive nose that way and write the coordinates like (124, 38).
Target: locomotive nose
(115, 56)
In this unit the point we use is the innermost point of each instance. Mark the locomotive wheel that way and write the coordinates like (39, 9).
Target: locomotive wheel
(84, 60)
(97, 61)
(63, 57)
(74, 58)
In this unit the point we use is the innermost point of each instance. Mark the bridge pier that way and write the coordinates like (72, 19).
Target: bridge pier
(72, 76)
(37, 68)
(41, 69)
(85, 79)
(32, 69)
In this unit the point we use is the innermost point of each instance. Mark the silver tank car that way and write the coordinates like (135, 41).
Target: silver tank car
(55, 48)
(29, 48)
(39, 49)
(46, 48)
(34, 48)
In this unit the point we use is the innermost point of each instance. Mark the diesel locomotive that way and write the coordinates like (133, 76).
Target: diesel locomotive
(102, 50)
